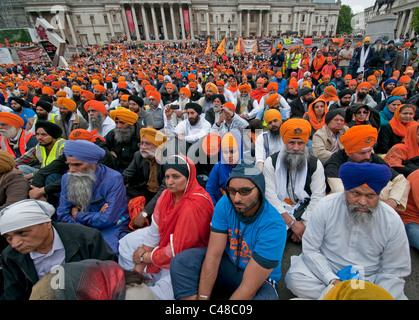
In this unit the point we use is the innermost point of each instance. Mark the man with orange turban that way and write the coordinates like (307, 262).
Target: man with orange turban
(228, 120)
(13, 139)
(362, 95)
(100, 94)
(70, 120)
(269, 141)
(283, 105)
(156, 109)
(98, 117)
(286, 174)
(247, 106)
(358, 142)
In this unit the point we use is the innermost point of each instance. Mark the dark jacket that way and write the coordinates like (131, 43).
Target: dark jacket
(13, 188)
(297, 108)
(80, 243)
(386, 139)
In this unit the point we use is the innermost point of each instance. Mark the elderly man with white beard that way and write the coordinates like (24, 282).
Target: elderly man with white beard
(247, 107)
(92, 194)
(123, 139)
(98, 117)
(144, 177)
(295, 179)
(353, 235)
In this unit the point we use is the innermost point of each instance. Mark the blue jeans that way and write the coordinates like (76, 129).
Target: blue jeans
(185, 270)
(412, 231)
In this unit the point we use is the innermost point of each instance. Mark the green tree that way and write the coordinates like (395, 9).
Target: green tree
(415, 20)
(344, 21)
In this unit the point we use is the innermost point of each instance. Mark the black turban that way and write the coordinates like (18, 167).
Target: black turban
(52, 129)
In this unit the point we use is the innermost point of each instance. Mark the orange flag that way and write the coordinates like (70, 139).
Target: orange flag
(208, 51)
(238, 47)
(222, 47)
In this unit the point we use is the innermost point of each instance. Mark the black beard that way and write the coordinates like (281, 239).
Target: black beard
(194, 121)
(42, 116)
(362, 95)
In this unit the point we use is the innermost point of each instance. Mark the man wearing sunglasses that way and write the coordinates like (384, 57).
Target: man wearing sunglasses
(244, 254)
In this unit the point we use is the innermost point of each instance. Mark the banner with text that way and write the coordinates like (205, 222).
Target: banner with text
(265, 45)
(249, 46)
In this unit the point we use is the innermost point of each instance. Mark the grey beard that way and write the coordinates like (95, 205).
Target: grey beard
(124, 135)
(79, 188)
(96, 123)
(294, 160)
(147, 154)
(358, 218)
(244, 100)
(8, 134)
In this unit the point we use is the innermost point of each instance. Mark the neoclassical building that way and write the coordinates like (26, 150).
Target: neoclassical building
(94, 21)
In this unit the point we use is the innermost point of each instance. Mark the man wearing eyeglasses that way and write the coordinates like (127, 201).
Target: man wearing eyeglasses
(295, 179)
(244, 254)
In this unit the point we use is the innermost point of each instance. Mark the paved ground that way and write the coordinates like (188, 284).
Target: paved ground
(412, 281)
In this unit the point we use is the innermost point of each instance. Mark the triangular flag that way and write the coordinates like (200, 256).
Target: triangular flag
(7, 42)
(222, 47)
(238, 47)
(208, 51)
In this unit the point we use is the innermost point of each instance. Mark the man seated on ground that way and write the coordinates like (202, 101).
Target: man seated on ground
(327, 139)
(122, 141)
(294, 178)
(50, 147)
(353, 235)
(247, 107)
(15, 140)
(269, 141)
(36, 245)
(229, 121)
(93, 194)
(46, 183)
(145, 174)
(98, 117)
(191, 130)
(13, 186)
(136, 104)
(357, 147)
(22, 108)
(244, 253)
(70, 120)
(43, 112)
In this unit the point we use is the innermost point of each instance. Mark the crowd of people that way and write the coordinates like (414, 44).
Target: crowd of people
(164, 172)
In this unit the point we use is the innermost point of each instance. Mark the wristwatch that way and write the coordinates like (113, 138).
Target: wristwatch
(142, 257)
(397, 202)
(144, 214)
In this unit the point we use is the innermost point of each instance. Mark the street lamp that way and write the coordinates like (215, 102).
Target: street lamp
(229, 33)
(216, 35)
(93, 27)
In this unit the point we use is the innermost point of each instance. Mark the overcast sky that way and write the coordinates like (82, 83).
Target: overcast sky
(358, 5)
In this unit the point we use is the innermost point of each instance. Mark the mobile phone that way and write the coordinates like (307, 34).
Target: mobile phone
(174, 106)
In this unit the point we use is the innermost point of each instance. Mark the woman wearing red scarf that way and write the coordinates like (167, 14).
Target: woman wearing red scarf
(404, 157)
(394, 132)
(181, 220)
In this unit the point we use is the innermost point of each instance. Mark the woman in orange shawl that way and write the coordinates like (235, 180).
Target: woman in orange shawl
(316, 114)
(180, 221)
(394, 132)
(316, 66)
(404, 157)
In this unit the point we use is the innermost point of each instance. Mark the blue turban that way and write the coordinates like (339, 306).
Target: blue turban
(375, 176)
(83, 150)
(388, 81)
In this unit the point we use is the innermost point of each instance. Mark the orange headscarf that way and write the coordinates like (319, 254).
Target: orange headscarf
(398, 127)
(312, 117)
(317, 65)
(408, 149)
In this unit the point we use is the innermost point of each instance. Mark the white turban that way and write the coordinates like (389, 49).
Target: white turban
(25, 213)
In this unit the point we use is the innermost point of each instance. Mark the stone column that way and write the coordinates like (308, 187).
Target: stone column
(163, 17)
(298, 22)
(145, 23)
(125, 22)
(248, 23)
(260, 24)
(267, 22)
(400, 27)
(110, 23)
(190, 22)
(409, 21)
(294, 20)
(134, 19)
(208, 22)
(240, 23)
(70, 24)
(172, 17)
(153, 16)
(310, 26)
(182, 23)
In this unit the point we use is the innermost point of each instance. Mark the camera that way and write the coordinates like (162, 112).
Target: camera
(174, 107)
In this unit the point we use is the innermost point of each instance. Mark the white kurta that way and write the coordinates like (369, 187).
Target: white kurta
(329, 245)
(192, 133)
